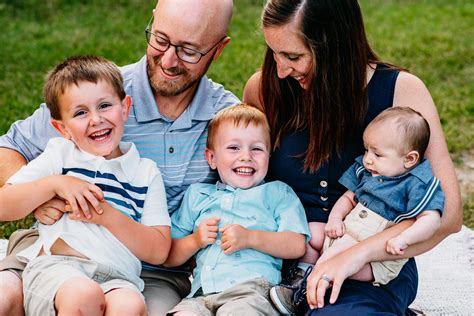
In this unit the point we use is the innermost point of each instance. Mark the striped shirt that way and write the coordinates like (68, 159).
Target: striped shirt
(131, 184)
(176, 146)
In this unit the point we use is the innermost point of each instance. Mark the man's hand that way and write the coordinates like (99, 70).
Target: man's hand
(50, 212)
(397, 245)
(207, 232)
(234, 238)
(335, 227)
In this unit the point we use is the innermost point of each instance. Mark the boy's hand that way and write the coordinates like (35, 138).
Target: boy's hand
(397, 245)
(335, 227)
(93, 218)
(50, 212)
(81, 195)
(206, 233)
(234, 238)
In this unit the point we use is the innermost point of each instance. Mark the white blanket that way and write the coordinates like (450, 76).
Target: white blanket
(446, 285)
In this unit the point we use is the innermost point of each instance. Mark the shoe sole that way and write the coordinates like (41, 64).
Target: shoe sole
(276, 301)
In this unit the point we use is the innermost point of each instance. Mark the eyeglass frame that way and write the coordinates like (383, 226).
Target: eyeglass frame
(177, 48)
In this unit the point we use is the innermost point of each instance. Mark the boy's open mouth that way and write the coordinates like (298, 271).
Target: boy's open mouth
(244, 171)
(101, 135)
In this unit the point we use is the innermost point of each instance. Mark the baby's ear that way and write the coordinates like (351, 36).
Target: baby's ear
(61, 128)
(411, 159)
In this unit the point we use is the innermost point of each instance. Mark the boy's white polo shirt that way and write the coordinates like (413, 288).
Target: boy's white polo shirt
(131, 184)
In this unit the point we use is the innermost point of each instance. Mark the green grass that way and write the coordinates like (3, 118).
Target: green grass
(434, 39)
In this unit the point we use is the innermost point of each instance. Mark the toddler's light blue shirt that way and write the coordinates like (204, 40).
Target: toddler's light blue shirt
(272, 207)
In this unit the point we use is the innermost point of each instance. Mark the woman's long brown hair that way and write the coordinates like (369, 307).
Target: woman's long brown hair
(335, 103)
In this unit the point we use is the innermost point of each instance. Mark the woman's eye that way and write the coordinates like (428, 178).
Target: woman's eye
(293, 58)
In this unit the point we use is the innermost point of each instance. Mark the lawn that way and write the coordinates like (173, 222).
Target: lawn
(433, 39)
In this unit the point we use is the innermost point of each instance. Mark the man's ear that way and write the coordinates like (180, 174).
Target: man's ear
(411, 159)
(59, 126)
(224, 42)
(126, 106)
(210, 158)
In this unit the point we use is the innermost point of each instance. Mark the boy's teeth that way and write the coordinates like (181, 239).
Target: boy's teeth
(100, 133)
(244, 170)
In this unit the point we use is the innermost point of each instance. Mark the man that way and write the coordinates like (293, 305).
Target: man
(172, 104)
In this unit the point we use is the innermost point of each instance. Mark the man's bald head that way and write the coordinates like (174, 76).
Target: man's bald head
(212, 16)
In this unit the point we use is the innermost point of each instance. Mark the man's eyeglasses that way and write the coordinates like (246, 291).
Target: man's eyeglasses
(186, 54)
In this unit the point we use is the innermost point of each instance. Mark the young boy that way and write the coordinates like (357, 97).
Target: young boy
(390, 183)
(240, 228)
(88, 263)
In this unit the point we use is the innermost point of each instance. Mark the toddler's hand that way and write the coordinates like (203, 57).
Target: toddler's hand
(234, 238)
(206, 233)
(335, 227)
(396, 245)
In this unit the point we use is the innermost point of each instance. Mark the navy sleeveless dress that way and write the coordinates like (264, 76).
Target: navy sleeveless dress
(319, 191)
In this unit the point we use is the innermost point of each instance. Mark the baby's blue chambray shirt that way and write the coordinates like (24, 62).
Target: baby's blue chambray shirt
(395, 198)
(272, 207)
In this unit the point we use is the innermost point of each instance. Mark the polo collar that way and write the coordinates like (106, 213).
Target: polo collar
(128, 162)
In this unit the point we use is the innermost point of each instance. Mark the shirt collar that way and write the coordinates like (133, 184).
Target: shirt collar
(128, 162)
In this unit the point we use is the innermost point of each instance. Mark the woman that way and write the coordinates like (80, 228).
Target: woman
(320, 85)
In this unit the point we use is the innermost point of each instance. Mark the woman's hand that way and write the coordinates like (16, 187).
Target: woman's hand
(332, 272)
(50, 212)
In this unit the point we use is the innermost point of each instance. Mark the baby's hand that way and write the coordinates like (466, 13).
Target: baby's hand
(335, 227)
(396, 245)
(206, 233)
(234, 238)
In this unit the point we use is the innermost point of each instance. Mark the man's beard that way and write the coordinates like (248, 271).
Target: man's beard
(169, 88)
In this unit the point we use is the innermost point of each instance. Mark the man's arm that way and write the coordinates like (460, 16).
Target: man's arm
(10, 162)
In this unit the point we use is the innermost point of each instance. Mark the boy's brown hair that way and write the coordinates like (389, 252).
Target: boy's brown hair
(411, 127)
(75, 70)
(238, 114)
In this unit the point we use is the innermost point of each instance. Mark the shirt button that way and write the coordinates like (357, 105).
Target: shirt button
(363, 214)
(380, 180)
(218, 242)
(208, 268)
(323, 198)
(171, 150)
(323, 184)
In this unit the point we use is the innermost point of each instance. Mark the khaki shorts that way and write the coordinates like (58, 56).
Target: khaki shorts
(163, 290)
(247, 298)
(362, 223)
(19, 240)
(44, 275)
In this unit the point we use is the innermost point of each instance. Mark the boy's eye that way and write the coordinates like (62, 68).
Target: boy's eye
(104, 105)
(79, 113)
(233, 148)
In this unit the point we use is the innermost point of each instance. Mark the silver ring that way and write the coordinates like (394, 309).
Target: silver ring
(326, 277)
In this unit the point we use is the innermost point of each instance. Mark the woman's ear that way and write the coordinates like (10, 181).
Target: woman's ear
(61, 128)
(411, 159)
(209, 154)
